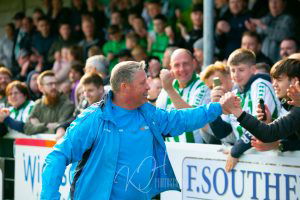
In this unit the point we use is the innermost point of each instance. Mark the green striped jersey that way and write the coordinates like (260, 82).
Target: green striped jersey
(195, 94)
(260, 88)
(20, 114)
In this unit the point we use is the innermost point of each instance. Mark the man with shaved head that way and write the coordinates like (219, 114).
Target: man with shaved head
(182, 88)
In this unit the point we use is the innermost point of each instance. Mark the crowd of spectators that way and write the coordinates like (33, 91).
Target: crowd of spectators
(58, 60)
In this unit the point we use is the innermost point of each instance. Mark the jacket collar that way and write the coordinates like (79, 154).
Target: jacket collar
(255, 77)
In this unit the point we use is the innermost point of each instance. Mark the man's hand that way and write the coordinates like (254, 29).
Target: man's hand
(258, 23)
(250, 26)
(167, 79)
(216, 93)
(110, 56)
(294, 93)
(34, 120)
(230, 162)
(231, 104)
(223, 27)
(260, 114)
(261, 146)
(60, 132)
(3, 114)
(52, 125)
(183, 30)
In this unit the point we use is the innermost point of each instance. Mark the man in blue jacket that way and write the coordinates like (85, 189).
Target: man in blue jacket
(118, 143)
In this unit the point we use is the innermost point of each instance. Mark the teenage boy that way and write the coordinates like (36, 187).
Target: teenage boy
(285, 74)
(251, 88)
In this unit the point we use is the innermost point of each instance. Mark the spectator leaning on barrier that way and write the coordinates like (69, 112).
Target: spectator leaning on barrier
(121, 132)
(49, 111)
(250, 88)
(182, 88)
(285, 126)
(219, 70)
(17, 114)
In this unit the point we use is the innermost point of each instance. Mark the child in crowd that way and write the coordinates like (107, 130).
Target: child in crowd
(251, 88)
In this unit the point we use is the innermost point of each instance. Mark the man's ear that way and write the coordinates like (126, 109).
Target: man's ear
(253, 69)
(40, 87)
(123, 86)
(195, 64)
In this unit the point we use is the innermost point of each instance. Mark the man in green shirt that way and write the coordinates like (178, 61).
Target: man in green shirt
(158, 40)
(114, 45)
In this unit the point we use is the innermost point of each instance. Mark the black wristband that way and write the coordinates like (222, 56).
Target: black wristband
(241, 117)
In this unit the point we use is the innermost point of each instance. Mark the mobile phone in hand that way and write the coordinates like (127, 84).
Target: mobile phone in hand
(262, 106)
(216, 81)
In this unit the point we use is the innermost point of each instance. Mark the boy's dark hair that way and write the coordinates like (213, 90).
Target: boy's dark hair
(11, 25)
(76, 51)
(78, 67)
(197, 8)
(44, 18)
(158, 2)
(19, 16)
(253, 35)
(39, 10)
(112, 29)
(241, 56)
(142, 20)
(288, 66)
(64, 23)
(92, 78)
(160, 17)
(294, 40)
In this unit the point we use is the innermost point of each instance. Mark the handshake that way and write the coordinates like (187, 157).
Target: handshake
(231, 104)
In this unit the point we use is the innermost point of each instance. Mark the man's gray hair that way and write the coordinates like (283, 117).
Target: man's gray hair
(124, 72)
(99, 62)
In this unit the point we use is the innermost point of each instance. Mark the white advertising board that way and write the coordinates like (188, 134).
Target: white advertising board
(29, 162)
(200, 170)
